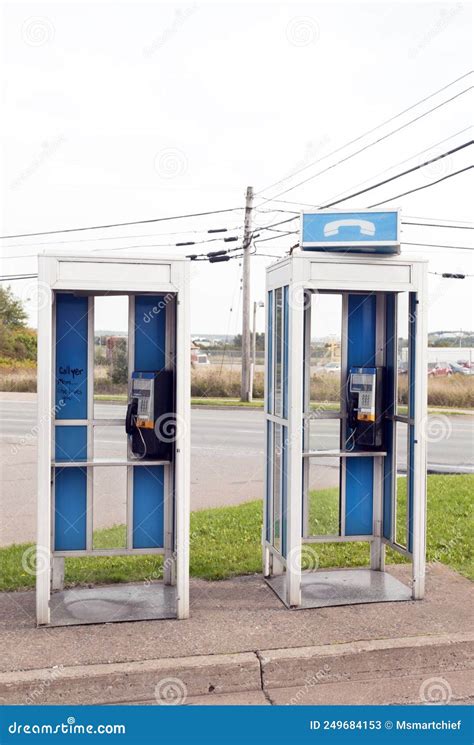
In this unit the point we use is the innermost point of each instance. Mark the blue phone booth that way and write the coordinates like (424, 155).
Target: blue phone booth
(72, 437)
(333, 470)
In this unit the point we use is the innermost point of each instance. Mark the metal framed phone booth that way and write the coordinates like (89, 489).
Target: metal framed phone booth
(157, 498)
(370, 286)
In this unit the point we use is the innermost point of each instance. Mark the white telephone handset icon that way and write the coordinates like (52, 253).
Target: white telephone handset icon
(365, 226)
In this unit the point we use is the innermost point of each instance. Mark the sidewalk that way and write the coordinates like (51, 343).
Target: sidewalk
(242, 646)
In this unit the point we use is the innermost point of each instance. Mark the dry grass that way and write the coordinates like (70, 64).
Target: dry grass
(455, 391)
(225, 384)
(18, 377)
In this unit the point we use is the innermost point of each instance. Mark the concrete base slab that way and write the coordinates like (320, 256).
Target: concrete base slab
(343, 587)
(108, 604)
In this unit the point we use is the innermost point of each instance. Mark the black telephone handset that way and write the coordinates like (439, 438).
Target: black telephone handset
(151, 414)
(352, 410)
(130, 419)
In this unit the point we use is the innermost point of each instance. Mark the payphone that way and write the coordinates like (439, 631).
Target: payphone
(364, 408)
(150, 420)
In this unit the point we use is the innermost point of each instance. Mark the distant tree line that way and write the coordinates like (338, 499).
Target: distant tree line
(17, 341)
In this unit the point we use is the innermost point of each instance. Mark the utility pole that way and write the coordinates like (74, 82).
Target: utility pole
(245, 393)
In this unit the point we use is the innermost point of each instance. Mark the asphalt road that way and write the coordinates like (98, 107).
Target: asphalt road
(239, 433)
(226, 460)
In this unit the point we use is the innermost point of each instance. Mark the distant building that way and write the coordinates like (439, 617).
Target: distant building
(445, 354)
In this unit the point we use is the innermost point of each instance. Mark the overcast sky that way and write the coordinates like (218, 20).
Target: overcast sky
(120, 111)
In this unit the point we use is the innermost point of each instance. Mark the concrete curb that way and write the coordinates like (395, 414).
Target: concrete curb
(355, 661)
(265, 672)
(133, 681)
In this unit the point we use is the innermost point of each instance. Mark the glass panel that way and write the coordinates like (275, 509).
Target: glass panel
(401, 485)
(269, 494)
(324, 434)
(286, 317)
(110, 356)
(278, 356)
(109, 507)
(110, 442)
(284, 489)
(277, 467)
(402, 354)
(269, 342)
(324, 493)
(326, 329)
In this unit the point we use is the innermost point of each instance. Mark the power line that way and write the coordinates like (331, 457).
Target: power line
(406, 160)
(120, 237)
(365, 134)
(439, 245)
(122, 224)
(420, 188)
(451, 275)
(438, 225)
(433, 221)
(403, 173)
(275, 237)
(182, 244)
(13, 277)
(370, 144)
(440, 219)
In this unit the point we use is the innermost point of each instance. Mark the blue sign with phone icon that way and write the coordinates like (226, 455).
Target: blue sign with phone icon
(367, 231)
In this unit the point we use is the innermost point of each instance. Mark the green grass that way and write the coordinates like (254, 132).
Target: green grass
(257, 403)
(226, 541)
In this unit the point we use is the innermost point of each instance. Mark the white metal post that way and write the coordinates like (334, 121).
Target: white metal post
(420, 423)
(131, 367)
(306, 410)
(183, 443)
(266, 558)
(377, 547)
(295, 436)
(45, 415)
(169, 563)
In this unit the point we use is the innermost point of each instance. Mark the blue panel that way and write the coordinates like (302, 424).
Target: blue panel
(150, 332)
(284, 489)
(412, 322)
(389, 407)
(359, 495)
(70, 490)
(286, 324)
(71, 356)
(269, 341)
(355, 230)
(148, 506)
(359, 471)
(361, 331)
(71, 443)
